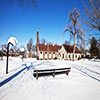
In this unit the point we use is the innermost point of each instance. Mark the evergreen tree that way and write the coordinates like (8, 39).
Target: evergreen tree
(94, 49)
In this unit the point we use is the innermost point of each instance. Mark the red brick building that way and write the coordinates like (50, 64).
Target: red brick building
(48, 52)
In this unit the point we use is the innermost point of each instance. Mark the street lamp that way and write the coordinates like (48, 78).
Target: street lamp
(13, 41)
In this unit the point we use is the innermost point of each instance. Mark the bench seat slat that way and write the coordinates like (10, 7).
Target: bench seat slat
(51, 69)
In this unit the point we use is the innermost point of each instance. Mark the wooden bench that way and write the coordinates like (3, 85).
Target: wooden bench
(53, 72)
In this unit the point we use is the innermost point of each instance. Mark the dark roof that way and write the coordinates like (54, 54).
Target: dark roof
(43, 47)
(70, 49)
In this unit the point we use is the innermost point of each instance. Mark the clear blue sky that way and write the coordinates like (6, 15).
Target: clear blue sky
(23, 23)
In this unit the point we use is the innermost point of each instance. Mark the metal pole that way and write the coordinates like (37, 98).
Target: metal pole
(7, 58)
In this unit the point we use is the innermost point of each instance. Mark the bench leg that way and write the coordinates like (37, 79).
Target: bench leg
(36, 75)
(67, 73)
(54, 74)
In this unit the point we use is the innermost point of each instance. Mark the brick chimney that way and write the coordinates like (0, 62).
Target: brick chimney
(37, 44)
(48, 51)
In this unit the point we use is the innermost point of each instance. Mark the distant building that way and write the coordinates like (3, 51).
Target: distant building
(66, 53)
(86, 54)
(48, 52)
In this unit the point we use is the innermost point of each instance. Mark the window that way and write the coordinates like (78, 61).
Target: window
(45, 52)
(75, 56)
(53, 52)
(41, 52)
(69, 56)
(63, 56)
(59, 54)
(49, 52)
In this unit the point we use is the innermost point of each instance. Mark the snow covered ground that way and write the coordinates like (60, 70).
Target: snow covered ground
(83, 82)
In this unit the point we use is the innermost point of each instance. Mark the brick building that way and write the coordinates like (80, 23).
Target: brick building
(48, 52)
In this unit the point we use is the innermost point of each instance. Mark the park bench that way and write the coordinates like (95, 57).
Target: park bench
(53, 72)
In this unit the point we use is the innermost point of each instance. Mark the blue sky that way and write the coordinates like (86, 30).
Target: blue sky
(23, 23)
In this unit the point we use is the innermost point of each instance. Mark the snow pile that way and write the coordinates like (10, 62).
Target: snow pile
(83, 82)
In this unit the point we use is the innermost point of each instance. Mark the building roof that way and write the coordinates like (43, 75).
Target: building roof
(43, 47)
(70, 49)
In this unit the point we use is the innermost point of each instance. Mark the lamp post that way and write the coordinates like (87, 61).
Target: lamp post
(12, 41)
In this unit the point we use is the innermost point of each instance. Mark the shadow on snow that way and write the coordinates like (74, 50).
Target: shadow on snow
(15, 75)
(93, 71)
(89, 74)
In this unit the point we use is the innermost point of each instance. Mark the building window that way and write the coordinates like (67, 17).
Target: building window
(53, 52)
(75, 56)
(63, 56)
(69, 56)
(41, 52)
(49, 52)
(45, 52)
(59, 54)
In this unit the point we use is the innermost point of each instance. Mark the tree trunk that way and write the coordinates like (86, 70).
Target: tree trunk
(74, 46)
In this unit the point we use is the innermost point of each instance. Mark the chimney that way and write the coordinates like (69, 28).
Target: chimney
(48, 51)
(37, 37)
(37, 44)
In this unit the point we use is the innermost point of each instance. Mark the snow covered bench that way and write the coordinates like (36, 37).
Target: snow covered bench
(53, 72)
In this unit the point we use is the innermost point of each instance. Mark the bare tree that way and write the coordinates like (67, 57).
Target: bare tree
(2, 47)
(43, 41)
(92, 11)
(25, 3)
(67, 42)
(1, 51)
(5, 47)
(74, 27)
(30, 46)
(82, 49)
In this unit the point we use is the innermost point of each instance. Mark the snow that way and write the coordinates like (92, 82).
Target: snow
(83, 82)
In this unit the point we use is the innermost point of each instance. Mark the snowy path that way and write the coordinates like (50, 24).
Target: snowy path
(83, 82)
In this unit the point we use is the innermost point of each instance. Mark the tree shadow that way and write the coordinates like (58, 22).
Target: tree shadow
(95, 60)
(15, 75)
(39, 64)
(88, 74)
(93, 71)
